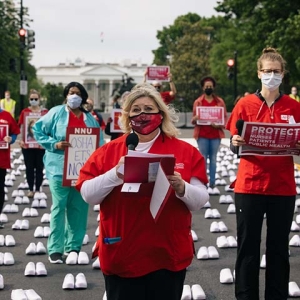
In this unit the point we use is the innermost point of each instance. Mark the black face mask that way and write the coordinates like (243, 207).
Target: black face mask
(208, 91)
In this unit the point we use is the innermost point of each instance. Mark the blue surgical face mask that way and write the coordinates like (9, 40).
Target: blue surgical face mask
(271, 81)
(74, 101)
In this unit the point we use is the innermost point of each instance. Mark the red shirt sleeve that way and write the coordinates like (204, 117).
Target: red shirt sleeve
(167, 97)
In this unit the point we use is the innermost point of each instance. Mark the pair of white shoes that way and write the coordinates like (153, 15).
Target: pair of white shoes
(30, 212)
(80, 258)
(46, 218)
(226, 242)
(33, 248)
(6, 259)
(35, 270)
(218, 227)
(20, 224)
(225, 199)
(221, 182)
(226, 276)
(39, 195)
(78, 283)
(9, 182)
(20, 294)
(295, 241)
(42, 203)
(207, 253)
(17, 193)
(192, 293)
(21, 200)
(23, 185)
(213, 191)
(7, 241)
(10, 208)
(212, 214)
(42, 231)
(294, 290)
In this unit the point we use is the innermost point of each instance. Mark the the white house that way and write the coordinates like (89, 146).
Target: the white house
(100, 80)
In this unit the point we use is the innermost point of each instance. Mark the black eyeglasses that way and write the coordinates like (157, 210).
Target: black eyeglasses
(269, 71)
(34, 99)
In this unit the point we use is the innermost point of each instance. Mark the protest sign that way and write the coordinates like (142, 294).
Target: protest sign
(270, 139)
(84, 141)
(3, 133)
(29, 120)
(158, 73)
(115, 124)
(210, 114)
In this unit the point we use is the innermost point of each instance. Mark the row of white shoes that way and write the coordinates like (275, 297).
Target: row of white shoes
(70, 283)
(205, 253)
(20, 193)
(8, 240)
(20, 225)
(37, 269)
(20, 294)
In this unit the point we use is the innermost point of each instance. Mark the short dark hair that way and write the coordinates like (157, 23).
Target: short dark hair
(207, 78)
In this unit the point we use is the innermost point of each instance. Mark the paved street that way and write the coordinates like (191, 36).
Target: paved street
(203, 272)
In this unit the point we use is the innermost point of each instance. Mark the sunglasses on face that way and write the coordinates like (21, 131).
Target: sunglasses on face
(34, 99)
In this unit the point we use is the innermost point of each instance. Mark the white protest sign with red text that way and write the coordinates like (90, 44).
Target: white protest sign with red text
(84, 141)
(210, 114)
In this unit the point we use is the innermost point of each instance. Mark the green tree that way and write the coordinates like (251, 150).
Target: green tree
(54, 94)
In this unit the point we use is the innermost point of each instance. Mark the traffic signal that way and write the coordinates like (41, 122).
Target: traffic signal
(13, 65)
(230, 68)
(30, 39)
(22, 37)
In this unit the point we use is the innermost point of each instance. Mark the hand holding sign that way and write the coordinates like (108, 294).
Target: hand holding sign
(62, 145)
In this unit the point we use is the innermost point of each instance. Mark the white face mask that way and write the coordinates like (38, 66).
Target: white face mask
(271, 81)
(34, 102)
(74, 101)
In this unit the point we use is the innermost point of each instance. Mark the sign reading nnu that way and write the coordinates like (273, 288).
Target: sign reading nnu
(84, 141)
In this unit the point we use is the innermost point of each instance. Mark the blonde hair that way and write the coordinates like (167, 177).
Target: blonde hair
(167, 111)
(32, 91)
(271, 54)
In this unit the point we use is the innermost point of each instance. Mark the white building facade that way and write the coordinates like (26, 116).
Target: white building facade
(100, 80)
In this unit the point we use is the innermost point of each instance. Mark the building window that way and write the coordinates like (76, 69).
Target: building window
(89, 86)
(103, 86)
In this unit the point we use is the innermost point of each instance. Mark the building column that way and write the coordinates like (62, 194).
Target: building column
(96, 94)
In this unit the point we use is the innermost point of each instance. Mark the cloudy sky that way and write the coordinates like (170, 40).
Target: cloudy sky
(104, 30)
